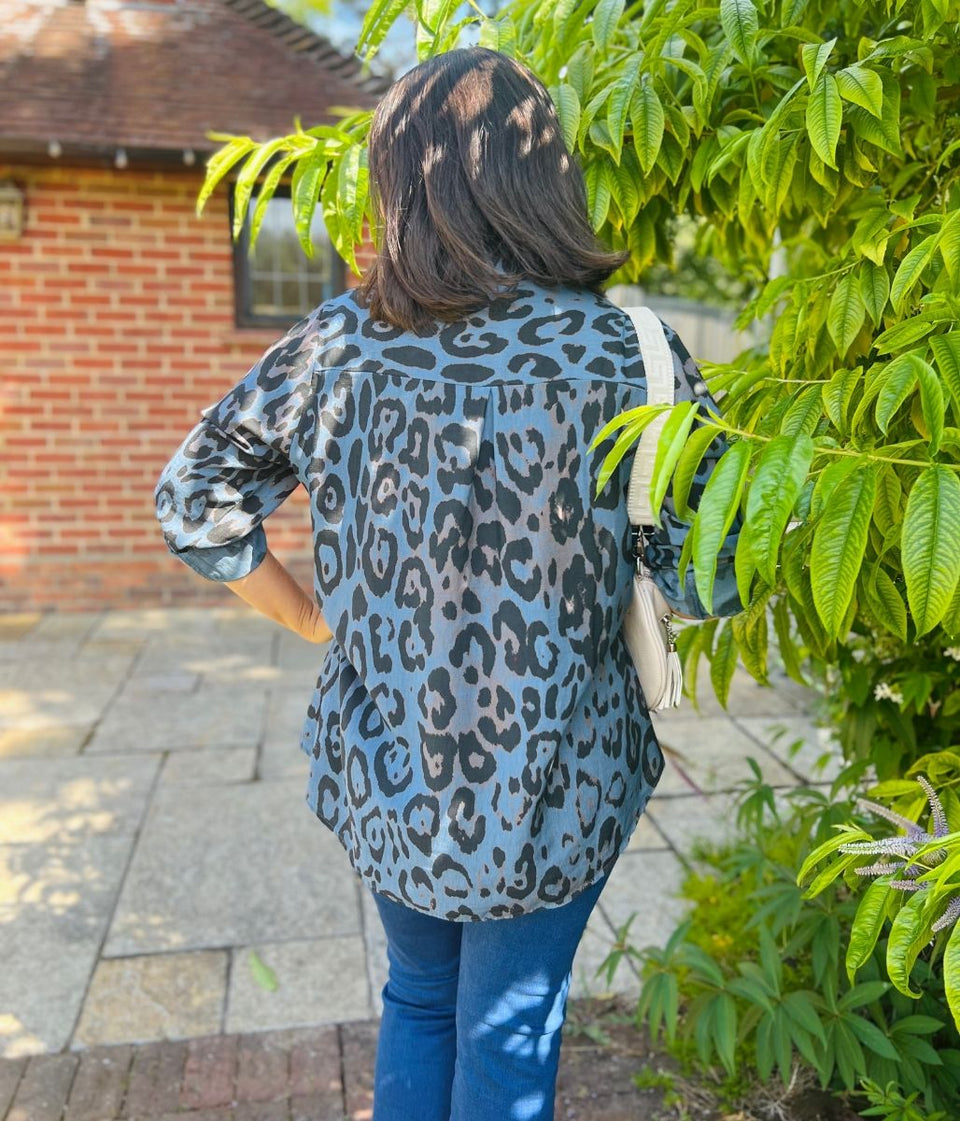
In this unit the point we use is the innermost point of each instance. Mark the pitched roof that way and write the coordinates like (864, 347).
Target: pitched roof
(159, 74)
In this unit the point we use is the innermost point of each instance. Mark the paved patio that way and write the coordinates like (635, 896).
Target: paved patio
(155, 844)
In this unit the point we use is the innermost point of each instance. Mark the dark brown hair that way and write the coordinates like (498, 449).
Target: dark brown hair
(474, 191)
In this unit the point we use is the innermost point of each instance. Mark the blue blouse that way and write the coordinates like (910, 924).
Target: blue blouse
(478, 737)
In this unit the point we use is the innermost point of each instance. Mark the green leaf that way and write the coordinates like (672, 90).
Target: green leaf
(580, 70)
(865, 993)
(870, 235)
(799, 1007)
(804, 413)
(898, 380)
(262, 973)
(624, 442)
(725, 1031)
(243, 188)
(606, 16)
(871, 1036)
(823, 119)
(838, 395)
(305, 190)
(670, 444)
(352, 178)
(219, 164)
(785, 642)
(885, 133)
(265, 194)
(910, 269)
(650, 412)
(777, 170)
(815, 57)
(568, 110)
(874, 288)
(829, 479)
(627, 176)
(931, 402)
(600, 135)
(867, 924)
(647, 122)
(846, 314)
(946, 352)
(499, 35)
(951, 973)
(888, 605)
(750, 633)
(619, 103)
(908, 936)
(598, 191)
(843, 836)
(928, 547)
(948, 242)
(904, 334)
(779, 477)
(838, 546)
(863, 87)
(740, 24)
(687, 467)
(722, 664)
(715, 514)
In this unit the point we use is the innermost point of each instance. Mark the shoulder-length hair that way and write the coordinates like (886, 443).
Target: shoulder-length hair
(474, 191)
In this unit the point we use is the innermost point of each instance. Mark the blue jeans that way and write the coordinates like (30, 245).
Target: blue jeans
(473, 1012)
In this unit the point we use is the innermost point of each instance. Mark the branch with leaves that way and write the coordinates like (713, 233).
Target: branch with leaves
(843, 147)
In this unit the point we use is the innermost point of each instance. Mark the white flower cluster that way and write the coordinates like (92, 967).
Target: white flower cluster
(953, 652)
(883, 692)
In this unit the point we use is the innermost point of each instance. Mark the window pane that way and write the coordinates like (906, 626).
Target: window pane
(283, 280)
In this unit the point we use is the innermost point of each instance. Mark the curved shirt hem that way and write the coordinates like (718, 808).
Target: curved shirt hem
(602, 870)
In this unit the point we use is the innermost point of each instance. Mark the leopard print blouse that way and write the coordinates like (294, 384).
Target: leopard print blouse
(478, 737)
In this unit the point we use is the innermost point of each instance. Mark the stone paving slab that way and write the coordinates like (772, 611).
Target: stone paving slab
(209, 716)
(818, 757)
(210, 767)
(688, 818)
(154, 996)
(55, 903)
(319, 980)
(715, 754)
(63, 739)
(44, 802)
(645, 884)
(233, 865)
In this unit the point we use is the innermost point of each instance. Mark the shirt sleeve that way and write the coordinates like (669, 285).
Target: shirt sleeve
(233, 468)
(663, 545)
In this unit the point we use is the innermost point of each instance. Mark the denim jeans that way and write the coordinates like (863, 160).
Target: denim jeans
(473, 1012)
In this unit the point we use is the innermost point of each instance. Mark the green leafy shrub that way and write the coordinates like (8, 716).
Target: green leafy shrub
(916, 887)
(750, 983)
(832, 126)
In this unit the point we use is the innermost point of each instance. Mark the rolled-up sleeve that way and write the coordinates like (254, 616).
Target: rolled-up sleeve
(664, 545)
(233, 469)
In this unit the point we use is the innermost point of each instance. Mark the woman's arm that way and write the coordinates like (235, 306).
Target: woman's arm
(271, 590)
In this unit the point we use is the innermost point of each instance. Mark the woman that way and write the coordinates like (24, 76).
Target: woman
(478, 738)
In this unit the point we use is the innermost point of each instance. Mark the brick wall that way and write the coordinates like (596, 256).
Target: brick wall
(116, 327)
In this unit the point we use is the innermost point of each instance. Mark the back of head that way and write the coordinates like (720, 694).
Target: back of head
(474, 191)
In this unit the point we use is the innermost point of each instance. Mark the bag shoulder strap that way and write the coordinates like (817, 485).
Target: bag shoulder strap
(658, 368)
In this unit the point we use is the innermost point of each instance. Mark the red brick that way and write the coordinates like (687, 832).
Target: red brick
(97, 1090)
(208, 1077)
(155, 1075)
(11, 1070)
(119, 331)
(43, 1089)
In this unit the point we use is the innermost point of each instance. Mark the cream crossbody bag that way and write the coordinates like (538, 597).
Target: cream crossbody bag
(647, 627)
